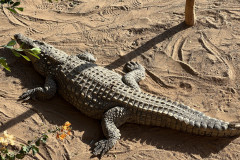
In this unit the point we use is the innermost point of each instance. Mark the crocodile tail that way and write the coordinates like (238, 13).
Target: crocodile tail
(234, 128)
(195, 122)
(181, 117)
(158, 111)
(215, 128)
(198, 123)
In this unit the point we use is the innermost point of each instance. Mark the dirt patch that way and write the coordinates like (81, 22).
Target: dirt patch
(198, 66)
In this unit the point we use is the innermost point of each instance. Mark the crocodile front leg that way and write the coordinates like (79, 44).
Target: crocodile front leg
(41, 93)
(136, 73)
(86, 57)
(112, 119)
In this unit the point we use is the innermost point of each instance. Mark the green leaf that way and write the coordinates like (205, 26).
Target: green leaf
(12, 10)
(20, 155)
(1, 157)
(44, 138)
(35, 150)
(2, 58)
(5, 151)
(11, 2)
(25, 57)
(18, 49)
(4, 63)
(33, 54)
(37, 142)
(16, 53)
(20, 8)
(2, 1)
(25, 149)
(21, 46)
(9, 47)
(16, 4)
(36, 50)
(10, 156)
(11, 43)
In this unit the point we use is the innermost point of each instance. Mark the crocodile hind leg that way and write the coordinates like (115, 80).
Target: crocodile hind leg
(112, 119)
(41, 93)
(86, 57)
(136, 73)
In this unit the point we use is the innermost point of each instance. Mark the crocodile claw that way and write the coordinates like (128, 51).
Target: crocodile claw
(102, 147)
(130, 66)
(30, 94)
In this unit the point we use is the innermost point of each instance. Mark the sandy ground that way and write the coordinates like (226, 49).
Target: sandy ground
(198, 66)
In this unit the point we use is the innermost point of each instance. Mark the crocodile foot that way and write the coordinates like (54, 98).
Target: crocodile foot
(103, 146)
(30, 94)
(87, 57)
(130, 66)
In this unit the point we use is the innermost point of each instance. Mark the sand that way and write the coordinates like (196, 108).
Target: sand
(198, 66)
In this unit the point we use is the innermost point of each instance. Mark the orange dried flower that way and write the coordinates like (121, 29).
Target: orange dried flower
(62, 136)
(69, 133)
(65, 130)
(67, 124)
(57, 136)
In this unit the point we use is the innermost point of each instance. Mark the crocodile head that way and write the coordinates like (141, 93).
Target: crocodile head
(49, 57)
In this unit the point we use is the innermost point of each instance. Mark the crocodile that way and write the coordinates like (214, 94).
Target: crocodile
(112, 98)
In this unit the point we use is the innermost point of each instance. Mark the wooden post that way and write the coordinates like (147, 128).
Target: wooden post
(190, 12)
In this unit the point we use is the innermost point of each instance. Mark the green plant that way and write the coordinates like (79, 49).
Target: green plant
(12, 5)
(18, 52)
(32, 146)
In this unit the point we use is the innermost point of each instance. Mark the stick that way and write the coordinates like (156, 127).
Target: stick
(190, 12)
